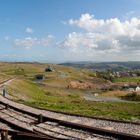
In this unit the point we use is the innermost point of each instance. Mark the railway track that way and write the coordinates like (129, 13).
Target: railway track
(15, 135)
(62, 126)
(25, 123)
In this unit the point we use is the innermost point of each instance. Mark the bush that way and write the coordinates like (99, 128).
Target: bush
(40, 77)
(19, 71)
(131, 97)
(133, 94)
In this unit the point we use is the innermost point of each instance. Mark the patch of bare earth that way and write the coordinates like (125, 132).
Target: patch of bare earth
(81, 85)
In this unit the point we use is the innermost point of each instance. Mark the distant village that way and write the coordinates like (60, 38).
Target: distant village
(109, 75)
(121, 86)
(125, 74)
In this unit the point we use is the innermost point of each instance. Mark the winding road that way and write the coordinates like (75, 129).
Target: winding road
(91, 97)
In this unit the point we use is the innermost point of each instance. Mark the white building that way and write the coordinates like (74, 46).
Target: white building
(137, 88)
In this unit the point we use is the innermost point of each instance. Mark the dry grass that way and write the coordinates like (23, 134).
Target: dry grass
(25, 89)
(4, 77)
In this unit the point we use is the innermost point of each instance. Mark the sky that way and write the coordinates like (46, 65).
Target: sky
(69, 30)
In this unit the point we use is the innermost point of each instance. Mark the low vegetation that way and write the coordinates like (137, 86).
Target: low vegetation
(54, 92)
(128, 79)
(133, 96)
(76, 105)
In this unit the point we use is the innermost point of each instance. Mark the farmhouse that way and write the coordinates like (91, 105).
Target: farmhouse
(133, 88)
(137, 89)
(49, 69)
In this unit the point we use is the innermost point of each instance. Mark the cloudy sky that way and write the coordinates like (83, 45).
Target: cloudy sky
(69, 30)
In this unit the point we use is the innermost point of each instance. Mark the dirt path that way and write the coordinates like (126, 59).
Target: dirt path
(91, 97)
(5, 83)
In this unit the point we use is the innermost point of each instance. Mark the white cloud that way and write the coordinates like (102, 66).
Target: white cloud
(109, 26)
(90, 41)
(29, 30)
(104, 36)
(29, 42)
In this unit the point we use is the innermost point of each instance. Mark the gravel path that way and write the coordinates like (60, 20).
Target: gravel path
(110, 125)
(90, 97)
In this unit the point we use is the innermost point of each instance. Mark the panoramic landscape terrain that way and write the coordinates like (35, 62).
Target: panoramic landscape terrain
(69, 70)
(109, 93)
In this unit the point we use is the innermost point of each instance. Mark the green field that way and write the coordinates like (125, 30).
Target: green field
(128, 79)
(53, 92)
(70, 101)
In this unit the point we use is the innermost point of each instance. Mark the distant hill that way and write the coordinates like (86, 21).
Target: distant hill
(103, 66)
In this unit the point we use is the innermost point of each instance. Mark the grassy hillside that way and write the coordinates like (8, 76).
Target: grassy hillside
(59, 99)
(53, 92)
(25, 90)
